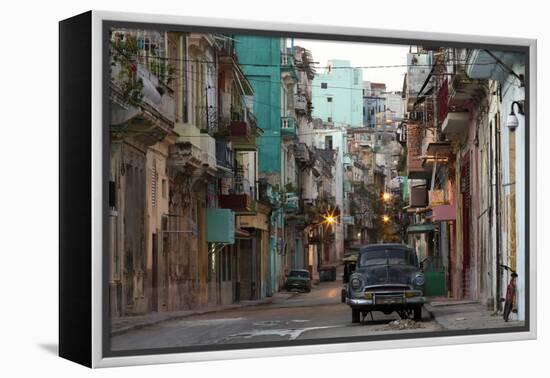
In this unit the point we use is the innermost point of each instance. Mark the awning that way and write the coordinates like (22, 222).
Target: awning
(420, 228)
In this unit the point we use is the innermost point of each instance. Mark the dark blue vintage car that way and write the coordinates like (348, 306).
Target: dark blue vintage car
(387, 278)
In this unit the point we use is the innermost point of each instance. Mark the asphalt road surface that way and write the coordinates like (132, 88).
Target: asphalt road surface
(292, 316)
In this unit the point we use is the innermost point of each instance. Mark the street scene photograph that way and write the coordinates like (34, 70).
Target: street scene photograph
(266, 189)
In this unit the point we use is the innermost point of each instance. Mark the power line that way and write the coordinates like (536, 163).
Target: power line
(280, 65)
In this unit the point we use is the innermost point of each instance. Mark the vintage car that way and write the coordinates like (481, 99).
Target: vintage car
(387, 278)
(298, 279)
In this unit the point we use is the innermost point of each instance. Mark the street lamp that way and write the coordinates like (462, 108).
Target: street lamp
(329, 218)
(386, 196)
(385, 218)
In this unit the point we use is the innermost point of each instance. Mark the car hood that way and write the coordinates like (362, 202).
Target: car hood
(387, 274)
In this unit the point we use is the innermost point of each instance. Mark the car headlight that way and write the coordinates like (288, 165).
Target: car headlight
(419, 279)
(355, 283)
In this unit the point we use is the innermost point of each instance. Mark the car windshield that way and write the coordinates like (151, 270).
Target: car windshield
(388, 256)
(297, 273)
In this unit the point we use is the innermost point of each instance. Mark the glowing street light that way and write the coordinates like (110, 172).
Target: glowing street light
(386, 196)
(385, 218)
(329, 218)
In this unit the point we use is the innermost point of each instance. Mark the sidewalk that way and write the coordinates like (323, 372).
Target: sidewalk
(125, 324)
(464, 315)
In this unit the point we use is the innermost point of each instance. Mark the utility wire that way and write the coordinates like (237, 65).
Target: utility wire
(279, 65)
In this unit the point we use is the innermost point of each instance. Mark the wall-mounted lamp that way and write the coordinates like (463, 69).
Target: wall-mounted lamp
(512, 122)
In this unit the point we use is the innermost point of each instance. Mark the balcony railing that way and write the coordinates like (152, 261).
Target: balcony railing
(288, 127)
(236, 202)
(239, 129)
(242, 135)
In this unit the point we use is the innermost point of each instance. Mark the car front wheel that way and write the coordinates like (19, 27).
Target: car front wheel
(355, 316)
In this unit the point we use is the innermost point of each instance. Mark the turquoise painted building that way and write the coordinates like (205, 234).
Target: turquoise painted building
(338, 94)
(260, 60)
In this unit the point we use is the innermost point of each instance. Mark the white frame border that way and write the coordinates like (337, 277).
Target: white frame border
(97, 176)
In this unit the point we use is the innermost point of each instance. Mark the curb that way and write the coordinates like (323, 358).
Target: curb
(127, 329)
(429, 309)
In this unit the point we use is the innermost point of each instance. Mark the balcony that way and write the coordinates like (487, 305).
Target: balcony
(300, 103)
(239, 130)
(415, 145)
(292, 202)
(288, 128)
(241, 198)
(185, 155)
(242, 135)
(436, 153)
(208, 151)
(141, 105)
(456, 122)
(239, 203)
(267, 195)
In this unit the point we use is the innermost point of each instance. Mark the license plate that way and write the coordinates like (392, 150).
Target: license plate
(389, 300)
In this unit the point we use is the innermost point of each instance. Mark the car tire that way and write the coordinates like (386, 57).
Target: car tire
(355, 316)
(417, 313)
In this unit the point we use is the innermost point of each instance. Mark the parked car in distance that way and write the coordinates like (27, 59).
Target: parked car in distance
(298, 279)
(387, 278)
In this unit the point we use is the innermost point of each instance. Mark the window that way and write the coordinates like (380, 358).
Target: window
(112, 194)
(328, 142)
(329, 99)
(329, 119)
(164, 188)
(324, 85)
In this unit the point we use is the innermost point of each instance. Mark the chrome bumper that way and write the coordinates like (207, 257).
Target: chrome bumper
(371, 302)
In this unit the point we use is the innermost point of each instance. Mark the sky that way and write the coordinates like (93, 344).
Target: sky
(363, 54)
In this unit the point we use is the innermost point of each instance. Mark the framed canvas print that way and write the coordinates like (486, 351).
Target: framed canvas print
(231, 189)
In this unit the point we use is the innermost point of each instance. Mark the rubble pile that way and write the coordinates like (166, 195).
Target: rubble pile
(403, 324)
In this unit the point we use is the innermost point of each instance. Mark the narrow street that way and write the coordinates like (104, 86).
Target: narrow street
(290, 316)
(274, 173)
